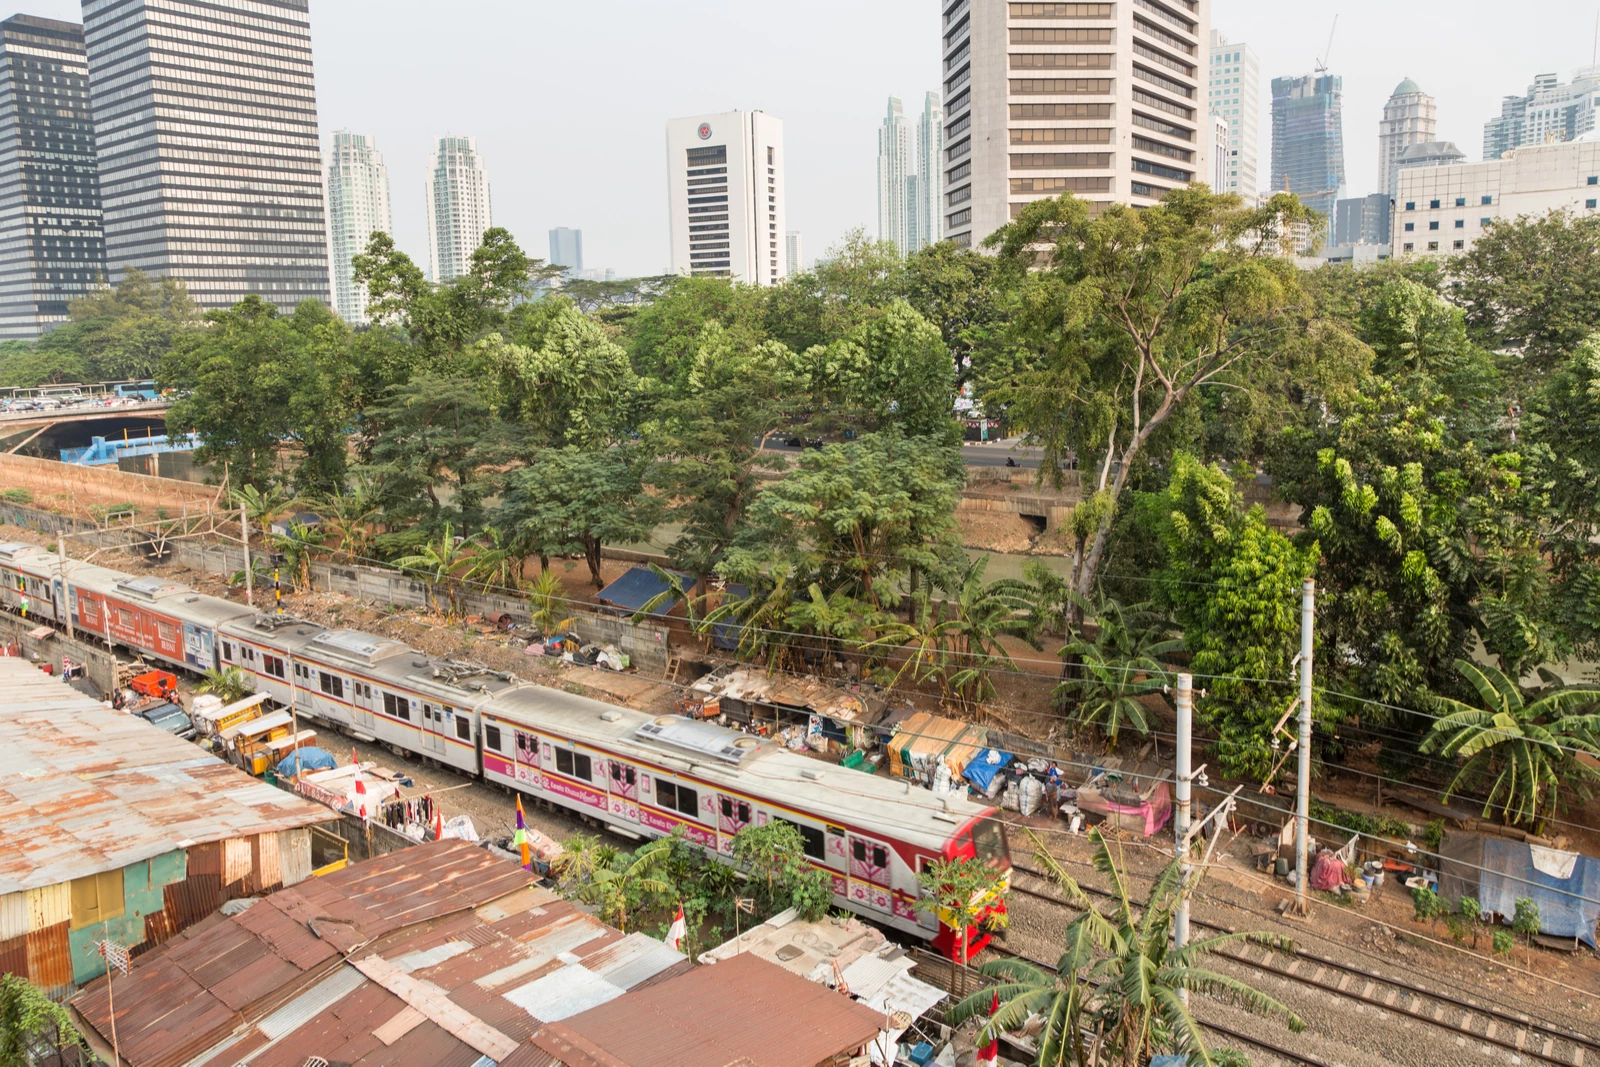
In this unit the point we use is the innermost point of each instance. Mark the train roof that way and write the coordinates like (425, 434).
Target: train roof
(14, 551)
(761, 767)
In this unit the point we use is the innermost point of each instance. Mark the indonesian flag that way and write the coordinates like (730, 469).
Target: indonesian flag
(520, 838)
(361, 787)
(676, 931)
(989, 1054)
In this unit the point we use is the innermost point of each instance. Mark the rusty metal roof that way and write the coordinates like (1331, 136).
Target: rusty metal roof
(755, 686)
(413, 958)
(743, 1010)
(85, 789)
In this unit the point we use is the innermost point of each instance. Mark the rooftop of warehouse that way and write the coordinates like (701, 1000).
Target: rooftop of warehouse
(438, 954)
(85, 789)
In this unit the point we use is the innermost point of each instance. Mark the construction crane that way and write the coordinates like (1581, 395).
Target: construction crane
(1322, 60)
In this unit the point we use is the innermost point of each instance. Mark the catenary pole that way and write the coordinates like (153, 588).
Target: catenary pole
(1302, 792)
(1184, 703)
(244, 534)
(65, 607)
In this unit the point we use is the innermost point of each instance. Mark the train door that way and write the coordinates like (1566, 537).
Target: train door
(622, 779)
(733, 815)
(432, 728)
(361, 706)
(58, 598)
(302, 689)
(869, 873)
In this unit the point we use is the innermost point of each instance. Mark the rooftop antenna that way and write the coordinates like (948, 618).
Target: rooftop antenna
(1327, 52)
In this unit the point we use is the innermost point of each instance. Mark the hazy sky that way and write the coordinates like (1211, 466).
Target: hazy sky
(569, 101)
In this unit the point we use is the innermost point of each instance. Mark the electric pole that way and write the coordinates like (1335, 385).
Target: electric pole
(1184, 703)
(244, 535)
(1302, 792)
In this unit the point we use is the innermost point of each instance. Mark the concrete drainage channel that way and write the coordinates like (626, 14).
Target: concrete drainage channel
(1512, 1032)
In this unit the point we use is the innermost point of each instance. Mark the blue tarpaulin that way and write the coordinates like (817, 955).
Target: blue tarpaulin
(1498, 871)
(725, 634)
(637, 588)
(980, 772)
(311, 759)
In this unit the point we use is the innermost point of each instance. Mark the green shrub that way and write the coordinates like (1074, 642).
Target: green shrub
(1504, 942)
(16, 496)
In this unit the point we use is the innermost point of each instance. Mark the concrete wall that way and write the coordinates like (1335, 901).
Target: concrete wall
(100, 665)
(81, 488)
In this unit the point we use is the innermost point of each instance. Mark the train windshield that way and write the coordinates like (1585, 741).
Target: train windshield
(989, 840)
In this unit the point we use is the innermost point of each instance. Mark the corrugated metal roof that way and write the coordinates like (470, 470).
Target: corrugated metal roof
(88, 789)
(563, 993)
(743, 1010)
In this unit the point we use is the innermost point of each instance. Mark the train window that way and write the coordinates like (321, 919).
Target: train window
(273, 666)
(125, 619)
(396, 707)
(989, 841)
(727, 808)
(227, 651)
(858, 851)
(491, 737)
(666, 795)
(880, 856)
(810, 838)
(677, 798)
(333, 685)
(688, 801)
(463, 728)
(575, 764)
(624, 774)
(744, 812)
(166, 632)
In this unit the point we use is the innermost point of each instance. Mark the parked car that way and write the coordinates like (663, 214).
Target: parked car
(171, 718)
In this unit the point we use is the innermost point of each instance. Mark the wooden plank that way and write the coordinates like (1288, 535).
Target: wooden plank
(406, 1020)
(435, 1006)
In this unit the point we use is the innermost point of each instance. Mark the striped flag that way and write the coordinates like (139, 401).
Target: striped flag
(520, 838)
(676, 931)
(361, 787)
(989, 1054)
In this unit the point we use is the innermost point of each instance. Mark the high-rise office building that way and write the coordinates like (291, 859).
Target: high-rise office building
(1308, 139)
(792, 252)
(51, 246)
(1234, 93)
(205, 116)
(1552, 111)
(566, 248)
(924, 228)
(725, 196)
(1362, 220)
(1410, 117)
(458, 207)
(896, 179)
(358, 207)
(1101, 100)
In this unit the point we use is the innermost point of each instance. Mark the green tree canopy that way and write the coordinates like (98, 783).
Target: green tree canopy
(567, 500)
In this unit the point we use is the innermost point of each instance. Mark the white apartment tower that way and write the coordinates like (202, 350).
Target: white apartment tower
(1410, 117)
(925, 229)
(1234, 93)
(458, 207)
(358, 207)
(725, 196)
(793, 251)
(1102, 100)
(896, 179)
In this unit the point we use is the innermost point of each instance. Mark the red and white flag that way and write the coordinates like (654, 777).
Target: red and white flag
(989, 1054)
(361, 787)
(676, 931)
(438, 823)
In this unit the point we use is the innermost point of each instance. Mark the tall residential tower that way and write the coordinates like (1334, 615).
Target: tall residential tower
(51, 247)
(925, 228)
(1308, 140)
(896, 178)
(1103, 100)
(358, 207)
(566, 248)
(725, 196)
(458, 207)
(1410, 117)
(1552, 111)
(1234, 93)
(205, 117)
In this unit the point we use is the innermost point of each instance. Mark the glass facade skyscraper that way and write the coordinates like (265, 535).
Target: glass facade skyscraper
(358, 207)
(205, 118)
(566, 248)
(51, 247)
(1308, 139)
(458, 207)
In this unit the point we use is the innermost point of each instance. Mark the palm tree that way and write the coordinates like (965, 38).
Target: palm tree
(1523, 743)
(1118, 667)
(440, 559)
(615, 886)
(227, 683)
(547, 604)
(353, 515)
(297, 547)
(262, 506)
(495, 562)
(1119, 979)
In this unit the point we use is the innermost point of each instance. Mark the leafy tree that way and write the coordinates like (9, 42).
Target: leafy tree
(425, 443)
(668, 333)
(1133, 315)
(351, 513)
(1522, 745)
(845, 288)
(24, 364)
(261, 505)
(1426, 906)
(1526, 922)
(961, 893)
(298, 546)
(32, 1026)
(1119, 980)
(856, 518)
(891, 370)
(1532, 284)
(1117, 668)
(774, 856)
(1234, 586)
(568, 501)
(441, 561)
(965, 295)
(626, 881)
(227, 683)
(1504, 942)
(1471, 915)
(576, 388)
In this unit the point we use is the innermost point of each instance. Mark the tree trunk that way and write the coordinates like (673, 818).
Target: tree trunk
(591, 553)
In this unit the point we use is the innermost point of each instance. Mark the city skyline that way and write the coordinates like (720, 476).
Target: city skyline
(831, 127)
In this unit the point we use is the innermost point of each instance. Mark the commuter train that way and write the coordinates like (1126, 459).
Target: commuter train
(640, 775)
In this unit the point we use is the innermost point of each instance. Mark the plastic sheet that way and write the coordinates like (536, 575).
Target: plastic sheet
(980, 772)
(1567, 906)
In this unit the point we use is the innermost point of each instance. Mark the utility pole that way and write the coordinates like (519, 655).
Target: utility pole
(1184, 703)
(1302, 790)
(244, 534)
(65, 607)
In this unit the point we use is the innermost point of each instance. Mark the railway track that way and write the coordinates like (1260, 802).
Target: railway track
(1470, 1022)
